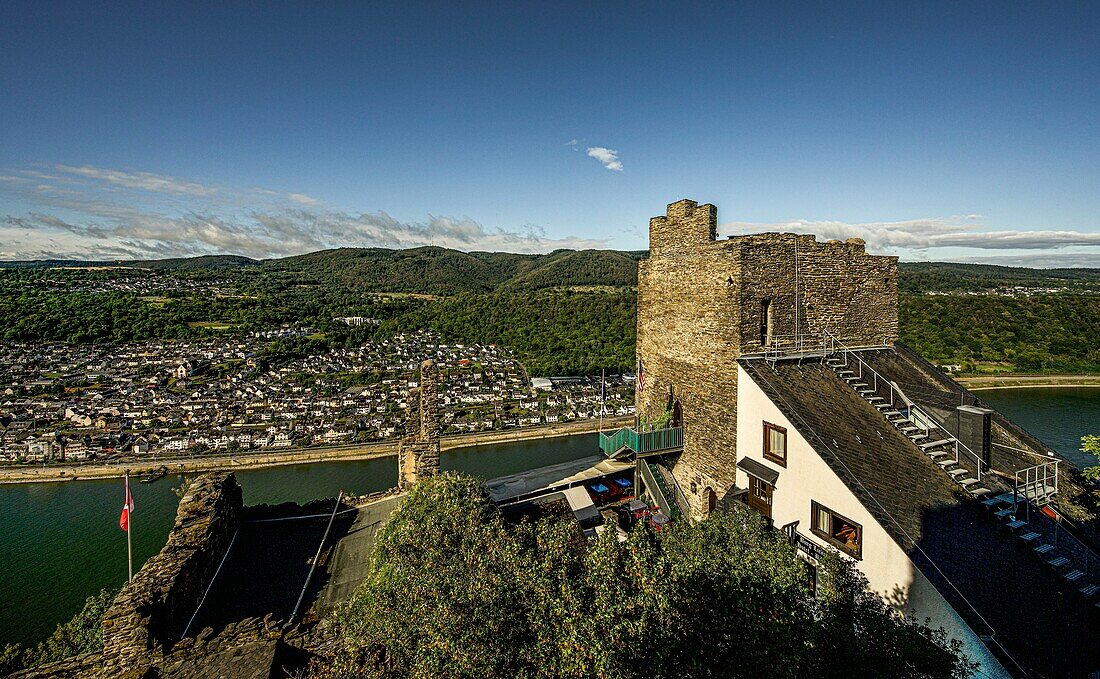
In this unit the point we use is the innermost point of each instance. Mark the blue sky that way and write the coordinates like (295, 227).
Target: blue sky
(935, 131)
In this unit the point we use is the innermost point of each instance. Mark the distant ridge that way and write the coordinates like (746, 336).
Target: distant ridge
(443, 271)
(200, 262)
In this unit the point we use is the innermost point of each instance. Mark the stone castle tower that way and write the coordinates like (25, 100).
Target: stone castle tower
(418, 452)
(704, 302)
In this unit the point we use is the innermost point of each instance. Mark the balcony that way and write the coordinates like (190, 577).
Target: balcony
(642, 442)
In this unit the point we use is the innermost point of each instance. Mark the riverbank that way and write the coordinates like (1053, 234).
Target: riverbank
(983, 382)
(365, 451)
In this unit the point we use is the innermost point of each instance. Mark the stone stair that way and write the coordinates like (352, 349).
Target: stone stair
(938, 448)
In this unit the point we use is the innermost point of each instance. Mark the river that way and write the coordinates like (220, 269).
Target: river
(1058, 416)
(60, 542)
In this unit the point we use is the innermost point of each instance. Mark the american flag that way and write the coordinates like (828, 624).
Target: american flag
(641, 375)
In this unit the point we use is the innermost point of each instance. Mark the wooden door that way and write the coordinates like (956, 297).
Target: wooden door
(760, 496)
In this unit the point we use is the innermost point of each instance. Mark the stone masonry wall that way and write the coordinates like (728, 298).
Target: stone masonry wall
(687, 296)
(149, 614)
(418, 452)
(839, 288)
(699, 310)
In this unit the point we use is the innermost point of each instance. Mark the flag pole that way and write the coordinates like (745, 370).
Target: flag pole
(603, 398)
(129, 524)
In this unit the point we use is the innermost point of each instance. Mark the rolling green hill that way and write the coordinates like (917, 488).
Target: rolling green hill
(922, 277)
(442, 271)
(568, 268)
(563, 312)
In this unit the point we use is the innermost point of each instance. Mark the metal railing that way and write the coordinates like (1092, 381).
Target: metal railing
(803, 344)
(642, 442)
(1080, 545)
(654, 487)
(677, 493)
(1038, 483)
(912, 412)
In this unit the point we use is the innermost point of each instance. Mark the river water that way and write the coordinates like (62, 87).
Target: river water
(1058, 416)
(60, 542)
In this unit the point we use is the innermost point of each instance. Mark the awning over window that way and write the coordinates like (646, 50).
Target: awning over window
(754, 468)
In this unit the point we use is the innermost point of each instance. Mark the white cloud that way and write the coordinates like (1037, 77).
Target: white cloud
(924, 234)
(1019, 240)
(571, 142)
(271, 234)
(303, 199)
(608, 158)
(95, 221)
(1057, 260)
(146, 181)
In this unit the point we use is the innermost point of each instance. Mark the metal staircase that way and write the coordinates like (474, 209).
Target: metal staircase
(1020, 507)
(965, 467)
(1048, 534)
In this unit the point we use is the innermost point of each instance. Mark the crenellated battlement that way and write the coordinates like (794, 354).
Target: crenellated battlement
(685, 223)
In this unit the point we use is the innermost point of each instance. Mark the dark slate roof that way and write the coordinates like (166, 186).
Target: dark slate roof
(992, 580)
(934, 390)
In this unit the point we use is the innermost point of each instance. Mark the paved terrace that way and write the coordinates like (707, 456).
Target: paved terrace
(267, 566)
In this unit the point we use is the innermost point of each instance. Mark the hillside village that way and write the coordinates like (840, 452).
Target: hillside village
(168, 398)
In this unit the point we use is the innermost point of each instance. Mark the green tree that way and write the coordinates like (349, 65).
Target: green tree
(82, 634)
(453, 589)
(1090, 443)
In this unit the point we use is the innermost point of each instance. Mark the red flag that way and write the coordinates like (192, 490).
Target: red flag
(124, 520)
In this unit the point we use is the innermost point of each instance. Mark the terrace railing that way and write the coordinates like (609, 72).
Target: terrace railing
(642, 442)
(1038, 483)
(792, 346)
(655, 489)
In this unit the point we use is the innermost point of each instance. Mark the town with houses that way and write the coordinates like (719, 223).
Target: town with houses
(76, 403)
(127, 280)
(1015, 291)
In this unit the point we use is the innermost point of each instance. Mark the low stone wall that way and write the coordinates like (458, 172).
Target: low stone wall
(149, 615)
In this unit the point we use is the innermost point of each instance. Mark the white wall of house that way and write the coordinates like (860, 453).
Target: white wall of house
(807, 477)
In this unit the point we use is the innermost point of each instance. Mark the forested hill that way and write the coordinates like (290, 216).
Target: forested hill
(423, 270)
(442, 271)
(923, 277)
(563, 312)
